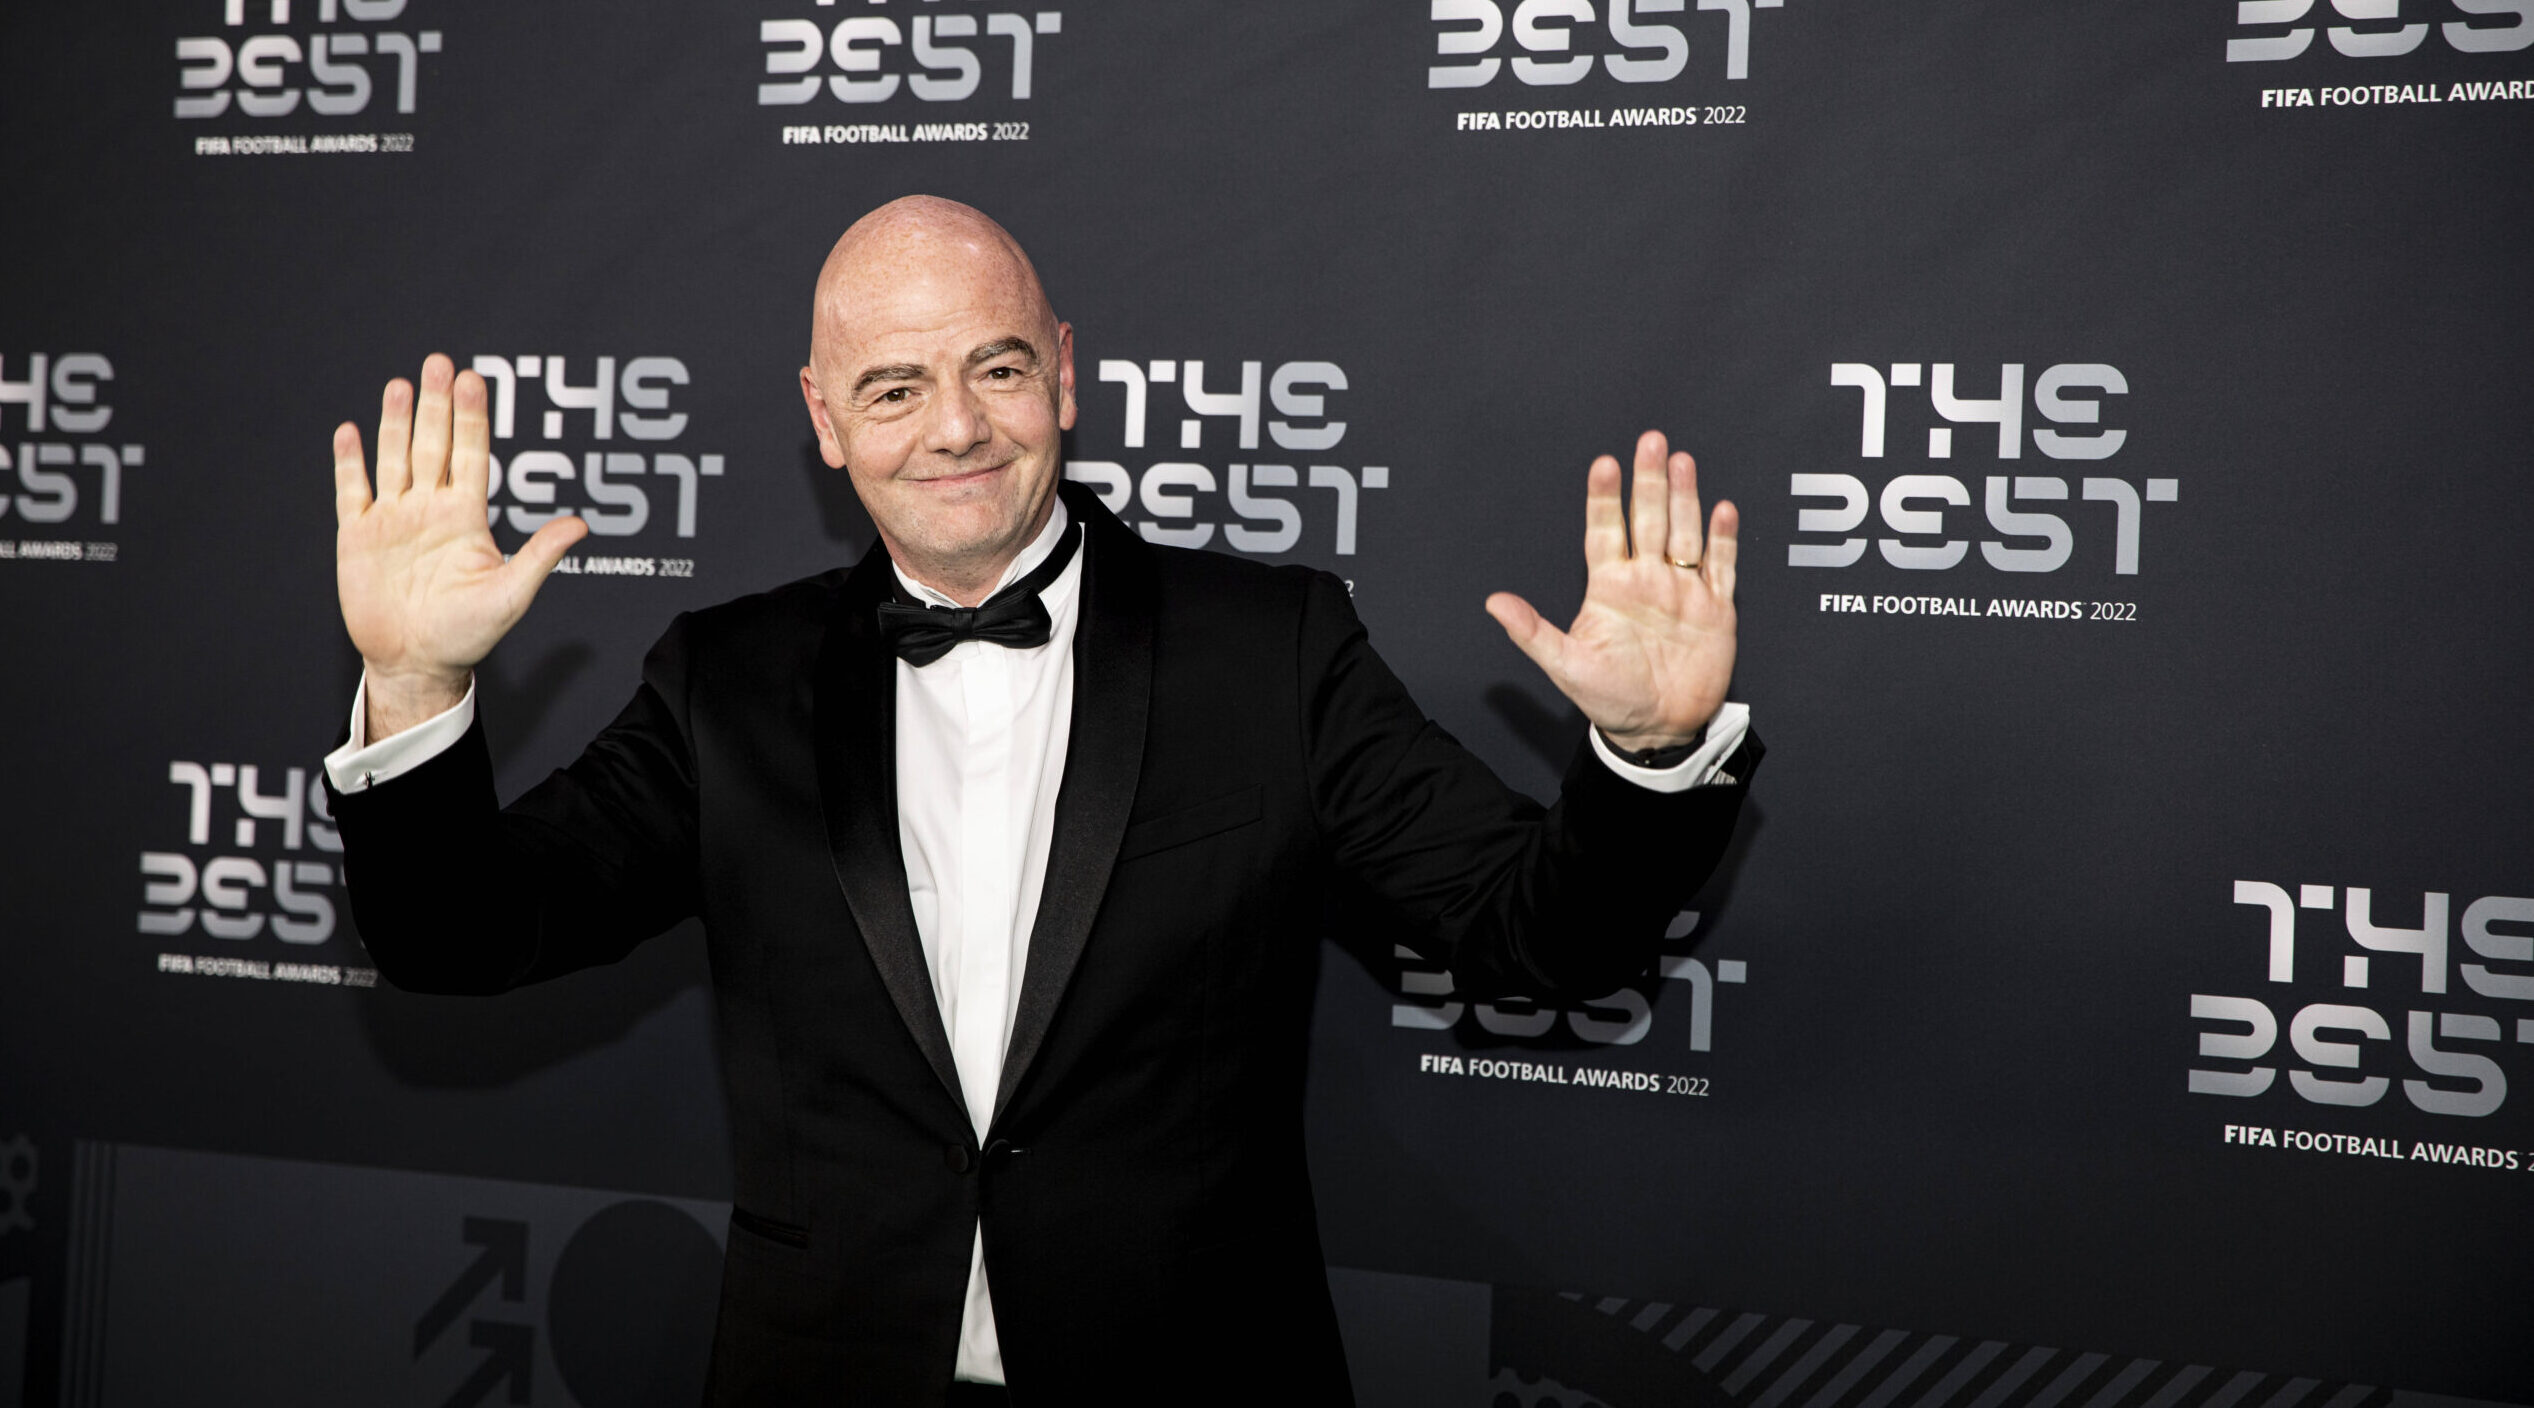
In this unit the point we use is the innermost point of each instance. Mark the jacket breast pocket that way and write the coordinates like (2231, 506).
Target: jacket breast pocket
(1177, 828)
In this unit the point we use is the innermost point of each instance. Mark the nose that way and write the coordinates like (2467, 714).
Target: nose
(958, 425)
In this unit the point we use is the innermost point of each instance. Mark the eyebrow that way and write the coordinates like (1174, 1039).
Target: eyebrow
(910, 371)
(1003, 347)
(901, 371)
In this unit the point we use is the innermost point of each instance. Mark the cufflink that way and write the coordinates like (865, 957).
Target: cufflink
(366, 779)
(1657, 758)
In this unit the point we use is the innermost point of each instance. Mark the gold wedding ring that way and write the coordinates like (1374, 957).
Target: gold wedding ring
(1684, 566)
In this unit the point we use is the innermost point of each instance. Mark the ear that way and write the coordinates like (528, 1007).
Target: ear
(830, 447)
(1064, 376)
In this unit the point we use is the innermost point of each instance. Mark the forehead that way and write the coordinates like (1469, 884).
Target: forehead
(911, 298)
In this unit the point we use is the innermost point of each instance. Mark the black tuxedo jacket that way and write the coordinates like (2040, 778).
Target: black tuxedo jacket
(1237, 748)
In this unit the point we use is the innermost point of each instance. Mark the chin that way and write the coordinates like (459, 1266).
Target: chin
(964, 529)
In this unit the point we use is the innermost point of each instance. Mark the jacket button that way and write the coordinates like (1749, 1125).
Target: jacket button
(955, 1155)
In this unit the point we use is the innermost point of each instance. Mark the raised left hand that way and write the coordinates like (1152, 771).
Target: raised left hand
(1651, 651)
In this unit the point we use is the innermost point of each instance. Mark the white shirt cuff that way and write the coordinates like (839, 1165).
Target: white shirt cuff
(1699, 769)
(360, 764)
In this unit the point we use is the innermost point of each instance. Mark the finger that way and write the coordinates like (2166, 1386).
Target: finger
(1724, 544)
(1605, 529)
(1684, 545)
(395, 437)
(1649, 502)
(431, 424)
(1530, 632)
(351, 480)
(536, 557)
(471, 443)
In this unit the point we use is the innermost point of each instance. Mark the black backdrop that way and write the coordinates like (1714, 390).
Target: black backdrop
(2116, 997)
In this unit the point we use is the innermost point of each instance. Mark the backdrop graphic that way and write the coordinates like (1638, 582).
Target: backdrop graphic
(2122, 990)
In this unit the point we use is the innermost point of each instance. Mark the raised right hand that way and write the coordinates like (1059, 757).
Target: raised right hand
(424, 589)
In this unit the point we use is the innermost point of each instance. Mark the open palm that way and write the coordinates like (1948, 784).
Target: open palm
(425, 590)
(1650, 652)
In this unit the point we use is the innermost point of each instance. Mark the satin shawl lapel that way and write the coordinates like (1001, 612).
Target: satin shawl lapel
(856, 720)
(1104, 757)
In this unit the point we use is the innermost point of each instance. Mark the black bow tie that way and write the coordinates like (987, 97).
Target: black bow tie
(1013, 617)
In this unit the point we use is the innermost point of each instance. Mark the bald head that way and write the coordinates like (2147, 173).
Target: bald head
(940, 380)
(910, 249)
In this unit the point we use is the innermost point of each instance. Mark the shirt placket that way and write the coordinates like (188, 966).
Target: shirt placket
(989, 864)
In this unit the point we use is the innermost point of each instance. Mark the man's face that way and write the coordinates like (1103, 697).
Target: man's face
(942, 384)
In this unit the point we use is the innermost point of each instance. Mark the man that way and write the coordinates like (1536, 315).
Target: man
(1009, 844)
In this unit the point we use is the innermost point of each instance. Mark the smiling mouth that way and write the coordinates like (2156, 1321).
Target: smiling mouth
(964, 477)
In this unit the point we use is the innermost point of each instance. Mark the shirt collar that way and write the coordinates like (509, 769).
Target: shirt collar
(1036, 553)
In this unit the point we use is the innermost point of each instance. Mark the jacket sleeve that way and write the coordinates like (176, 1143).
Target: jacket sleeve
(1566, 901)
(457, 894)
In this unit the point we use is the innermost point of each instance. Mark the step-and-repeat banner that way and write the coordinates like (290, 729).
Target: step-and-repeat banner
(2121, 992)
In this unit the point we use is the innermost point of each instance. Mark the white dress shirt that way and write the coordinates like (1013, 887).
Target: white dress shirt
(981, 736)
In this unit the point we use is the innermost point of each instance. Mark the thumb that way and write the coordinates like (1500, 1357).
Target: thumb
(536, 557)
(1532, 635)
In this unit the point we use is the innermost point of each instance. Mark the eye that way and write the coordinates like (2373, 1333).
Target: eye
(895, 394)
(1003, 373)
